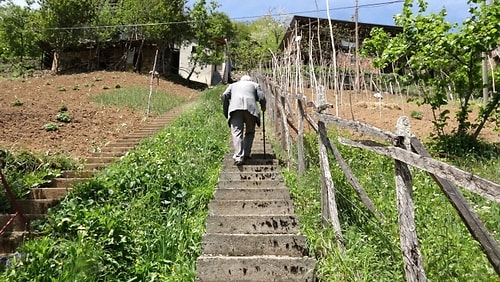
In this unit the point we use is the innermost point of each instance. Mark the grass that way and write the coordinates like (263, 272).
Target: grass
(143, 217)
(372, 245)
(137, 99)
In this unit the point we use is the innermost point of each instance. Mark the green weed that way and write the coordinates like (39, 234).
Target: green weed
(17, 103)
(63, 117)
(51, 126)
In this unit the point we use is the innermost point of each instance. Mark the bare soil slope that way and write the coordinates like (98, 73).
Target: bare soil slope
(92, 126)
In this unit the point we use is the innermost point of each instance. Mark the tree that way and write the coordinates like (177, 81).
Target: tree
(210, 30)
(254, 41)
(17, 33)
(444, 58)
(63, 23)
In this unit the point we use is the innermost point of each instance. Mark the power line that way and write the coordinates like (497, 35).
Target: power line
(371, 5)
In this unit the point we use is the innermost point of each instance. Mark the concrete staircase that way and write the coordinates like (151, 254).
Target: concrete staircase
(40, 200)
(252, 233)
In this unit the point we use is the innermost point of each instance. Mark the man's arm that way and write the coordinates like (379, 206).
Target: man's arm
(226, 96)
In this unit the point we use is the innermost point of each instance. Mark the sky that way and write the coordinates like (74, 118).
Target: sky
(370, 11)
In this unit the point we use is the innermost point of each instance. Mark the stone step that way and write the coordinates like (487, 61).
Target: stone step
(250, 176)
(255, 224)
(48, 193)
(252, 194)
(254, 268)
(254, 244)
(251, 184)
(251, 207)
(66, 182)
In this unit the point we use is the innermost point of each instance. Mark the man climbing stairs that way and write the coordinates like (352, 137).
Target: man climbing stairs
(252, 233)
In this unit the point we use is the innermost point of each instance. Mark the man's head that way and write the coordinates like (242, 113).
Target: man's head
(246, 78)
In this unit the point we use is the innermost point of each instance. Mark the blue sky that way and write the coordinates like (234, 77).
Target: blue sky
(370, 11)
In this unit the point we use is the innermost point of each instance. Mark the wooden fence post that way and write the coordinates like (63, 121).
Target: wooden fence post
(329, 209)
(300, 150)
(412, 257)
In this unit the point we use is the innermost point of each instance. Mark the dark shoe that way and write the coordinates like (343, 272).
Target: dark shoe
(238, 163)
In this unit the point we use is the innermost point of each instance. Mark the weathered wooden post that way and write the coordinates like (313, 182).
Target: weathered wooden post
(329, 211)
(412, 257)
(300, 149)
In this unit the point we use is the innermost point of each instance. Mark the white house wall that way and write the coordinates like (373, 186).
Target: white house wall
(209, 75)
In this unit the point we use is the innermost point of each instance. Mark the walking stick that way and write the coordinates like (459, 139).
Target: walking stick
(264, 132)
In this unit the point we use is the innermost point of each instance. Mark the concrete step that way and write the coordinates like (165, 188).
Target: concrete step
(251, 207)
(117, 148)
(100, 160)
(9, 241)
(250, 176)
(48, 193)
(254, 245)
(250, 168)
(254, 268)
(78, 174)
(131, 143)
(252, 194)
(253, 161)
(35, 206)
(66, 182)
(255, 224)
(107, 154)
(16, 225)
(94, 167)
(251, 184)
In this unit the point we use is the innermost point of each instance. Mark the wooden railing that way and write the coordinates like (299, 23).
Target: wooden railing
(404, 148)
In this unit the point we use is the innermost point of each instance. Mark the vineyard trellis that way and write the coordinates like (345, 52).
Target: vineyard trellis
(290, 107)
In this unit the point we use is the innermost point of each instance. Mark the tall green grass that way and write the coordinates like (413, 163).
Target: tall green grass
(142, 218)
(136, 98)
(372, 244)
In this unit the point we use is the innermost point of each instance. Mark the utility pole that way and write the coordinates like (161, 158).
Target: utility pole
(356, 53)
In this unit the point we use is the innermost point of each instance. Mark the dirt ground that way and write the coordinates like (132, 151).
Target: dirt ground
(93, 126)
(384, 112)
